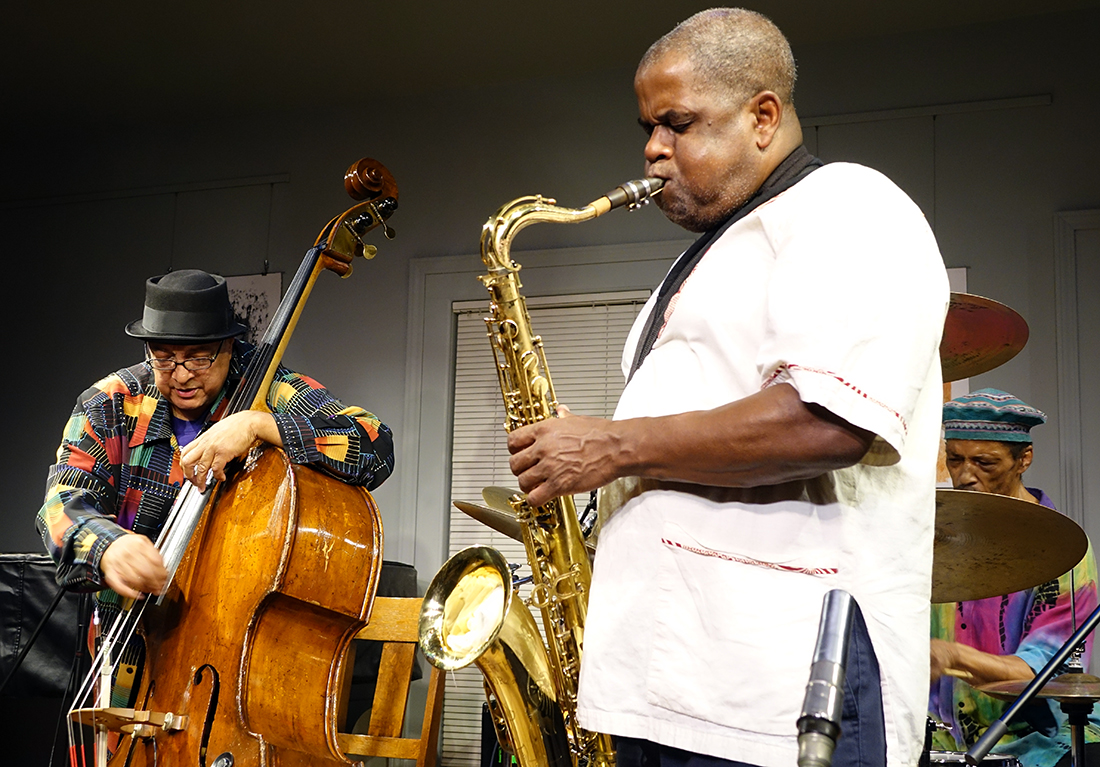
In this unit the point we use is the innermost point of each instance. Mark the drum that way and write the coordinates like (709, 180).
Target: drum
(952, 757)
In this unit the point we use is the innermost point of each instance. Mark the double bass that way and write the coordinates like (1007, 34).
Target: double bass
(272, 573)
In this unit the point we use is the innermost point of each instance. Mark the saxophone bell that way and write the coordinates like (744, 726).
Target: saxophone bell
(471, 614)
(464, 608)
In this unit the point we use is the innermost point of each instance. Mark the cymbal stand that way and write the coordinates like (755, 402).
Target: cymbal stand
(1078, 712)
(996, 731)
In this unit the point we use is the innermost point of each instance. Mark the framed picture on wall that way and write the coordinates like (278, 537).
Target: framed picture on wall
(255, 297)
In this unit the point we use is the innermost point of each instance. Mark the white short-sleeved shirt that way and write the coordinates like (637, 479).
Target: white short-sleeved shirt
(705, 602)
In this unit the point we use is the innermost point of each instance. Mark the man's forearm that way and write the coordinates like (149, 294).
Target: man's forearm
(976, 667)
(768, 438)
(264, 427)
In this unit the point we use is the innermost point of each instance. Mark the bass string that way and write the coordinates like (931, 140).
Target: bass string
(103, 667)
(172, 541)
(179, 527)
(119, 634)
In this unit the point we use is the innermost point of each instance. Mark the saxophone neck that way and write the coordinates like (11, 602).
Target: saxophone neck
(517, 215)
(506, 223)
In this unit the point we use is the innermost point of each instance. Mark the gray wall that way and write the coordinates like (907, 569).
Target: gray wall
(89, 213)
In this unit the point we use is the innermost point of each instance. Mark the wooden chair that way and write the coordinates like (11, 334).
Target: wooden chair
(394, 622)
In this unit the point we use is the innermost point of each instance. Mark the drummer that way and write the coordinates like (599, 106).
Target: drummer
(1010, 637)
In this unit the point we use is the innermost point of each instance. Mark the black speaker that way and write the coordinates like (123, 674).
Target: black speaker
(34, 701)
(27, 588)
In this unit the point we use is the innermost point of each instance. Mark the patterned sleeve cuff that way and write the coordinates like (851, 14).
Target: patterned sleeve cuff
(299, 438)
(87, 542)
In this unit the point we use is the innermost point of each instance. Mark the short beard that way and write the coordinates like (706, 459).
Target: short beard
(684, 215)
(701, 215)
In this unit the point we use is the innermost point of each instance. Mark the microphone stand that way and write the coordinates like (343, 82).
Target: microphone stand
(996, 731)
(822, 710)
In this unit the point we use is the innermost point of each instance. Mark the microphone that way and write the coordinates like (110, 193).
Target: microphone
(819, 723)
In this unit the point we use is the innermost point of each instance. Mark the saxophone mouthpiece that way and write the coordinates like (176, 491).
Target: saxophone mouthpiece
(633, 194)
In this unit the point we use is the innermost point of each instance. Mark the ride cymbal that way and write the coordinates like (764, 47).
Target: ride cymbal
(1066, 687)
(979, 334)
(986, 545)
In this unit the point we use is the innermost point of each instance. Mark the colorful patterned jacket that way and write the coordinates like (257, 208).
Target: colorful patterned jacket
(118, 466)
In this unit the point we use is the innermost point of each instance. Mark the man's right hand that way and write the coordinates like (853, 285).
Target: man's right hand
(974, 666)
(133, 566)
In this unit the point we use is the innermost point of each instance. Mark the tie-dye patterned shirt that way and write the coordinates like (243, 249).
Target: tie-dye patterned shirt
(118, 466)
(1032, 624)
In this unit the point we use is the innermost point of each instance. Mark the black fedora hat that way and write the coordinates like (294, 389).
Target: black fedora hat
(188, 306)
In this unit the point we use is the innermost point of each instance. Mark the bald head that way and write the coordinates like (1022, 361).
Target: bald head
(735, 52)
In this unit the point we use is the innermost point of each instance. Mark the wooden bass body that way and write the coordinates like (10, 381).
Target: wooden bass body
(254, 635)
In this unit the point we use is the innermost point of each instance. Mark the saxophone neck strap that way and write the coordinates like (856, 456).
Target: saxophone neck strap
(797, 165)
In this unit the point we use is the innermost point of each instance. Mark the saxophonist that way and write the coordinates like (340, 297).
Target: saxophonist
(777, 437)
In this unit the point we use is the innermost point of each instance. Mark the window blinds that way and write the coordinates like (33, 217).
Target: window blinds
(583, 336)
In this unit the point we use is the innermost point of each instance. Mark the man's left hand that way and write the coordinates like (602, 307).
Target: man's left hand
(229, 438)
(564, 455)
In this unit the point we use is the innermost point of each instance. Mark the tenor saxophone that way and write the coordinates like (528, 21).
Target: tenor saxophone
(471, 613)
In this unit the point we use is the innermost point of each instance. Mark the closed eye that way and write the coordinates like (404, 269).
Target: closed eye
(674, 122)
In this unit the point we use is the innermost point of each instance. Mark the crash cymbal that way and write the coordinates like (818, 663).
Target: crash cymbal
(501, 521)
(986, 545)
(497, 497)
(978, 335)
(1067, 687)
(498, 514)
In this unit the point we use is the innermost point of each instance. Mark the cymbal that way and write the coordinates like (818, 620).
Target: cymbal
(497, 497)
(979, 334)
(1067, 687)
(499, 515)
(987, 545)
(501, 521)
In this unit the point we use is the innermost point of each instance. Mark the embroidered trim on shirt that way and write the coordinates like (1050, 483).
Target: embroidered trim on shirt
(794, 366)
(672, 303)
(750, 561)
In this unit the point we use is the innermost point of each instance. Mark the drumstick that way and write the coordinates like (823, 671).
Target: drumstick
(958, 673)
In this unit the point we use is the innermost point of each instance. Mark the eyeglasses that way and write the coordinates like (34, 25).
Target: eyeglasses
(194, 364)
